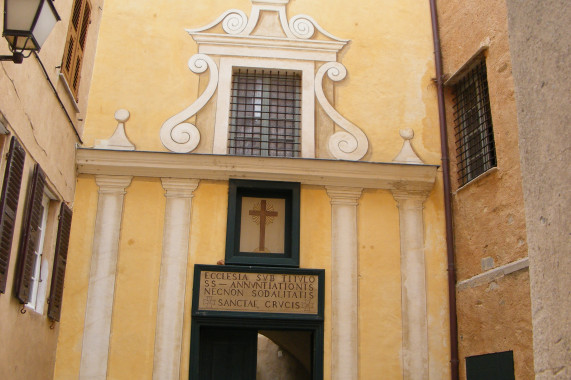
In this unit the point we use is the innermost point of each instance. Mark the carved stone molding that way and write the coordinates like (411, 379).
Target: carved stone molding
(178, 136)
(235, 22)
(344, 195)
(373, 175)
(179, 187)
(112, 184)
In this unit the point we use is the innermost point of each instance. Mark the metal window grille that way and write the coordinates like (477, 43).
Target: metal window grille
(475, 148)
(265, 113)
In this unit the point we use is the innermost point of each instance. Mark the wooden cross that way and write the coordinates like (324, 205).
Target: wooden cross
(262, 214)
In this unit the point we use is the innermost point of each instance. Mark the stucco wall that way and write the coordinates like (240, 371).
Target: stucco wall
(47, 125)
(488, 213)
(149, 76)
(540, 45)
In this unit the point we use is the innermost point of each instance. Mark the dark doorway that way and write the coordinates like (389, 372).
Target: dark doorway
(227, 354)
(234, 353)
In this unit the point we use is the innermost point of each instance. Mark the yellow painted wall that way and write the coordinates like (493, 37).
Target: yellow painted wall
(143, 53)
(141, 65)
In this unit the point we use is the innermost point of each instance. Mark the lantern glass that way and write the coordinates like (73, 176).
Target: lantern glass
(27, 23)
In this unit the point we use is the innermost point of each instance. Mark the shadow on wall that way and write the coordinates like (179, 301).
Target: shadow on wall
(275, 363)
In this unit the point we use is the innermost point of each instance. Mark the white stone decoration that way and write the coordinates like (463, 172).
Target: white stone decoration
(181, 137)
(415, 361)
(407, 155)
(172, 284)
(119, 140)
(344, 282)
(286, 45)
(101, 291)
(351, 144)
(235, 22)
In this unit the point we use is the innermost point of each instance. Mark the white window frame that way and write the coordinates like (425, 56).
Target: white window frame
(227, 67)
(39, 280)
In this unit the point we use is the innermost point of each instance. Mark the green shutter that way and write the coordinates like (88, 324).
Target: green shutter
(9, 205)
(60, 260)
(30, 236)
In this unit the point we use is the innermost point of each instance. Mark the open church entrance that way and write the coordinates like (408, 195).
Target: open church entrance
(247, 354)
(256, 334)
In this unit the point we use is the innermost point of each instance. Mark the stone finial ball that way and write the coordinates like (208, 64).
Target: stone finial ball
(122, 115)
(407, 133)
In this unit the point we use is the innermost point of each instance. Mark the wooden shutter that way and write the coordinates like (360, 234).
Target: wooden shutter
(75, 44)
(9, 205)
(30, 235)
(60, 260)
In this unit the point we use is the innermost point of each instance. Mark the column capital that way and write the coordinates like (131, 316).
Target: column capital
(410, 195)
(344, 195)
(179, 187)
(113, 184)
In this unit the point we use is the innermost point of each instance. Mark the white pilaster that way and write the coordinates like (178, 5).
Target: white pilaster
(413, 284)
(96, 333)
(170, 309)
(344, 282)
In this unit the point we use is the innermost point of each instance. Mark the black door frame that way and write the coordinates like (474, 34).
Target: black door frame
(256, 320)
(315, 327)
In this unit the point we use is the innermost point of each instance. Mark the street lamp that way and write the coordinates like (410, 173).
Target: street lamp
(27, 24)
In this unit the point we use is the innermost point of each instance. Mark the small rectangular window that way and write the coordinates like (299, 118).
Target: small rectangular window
(497, 366)
(475, 147)
(265, 113)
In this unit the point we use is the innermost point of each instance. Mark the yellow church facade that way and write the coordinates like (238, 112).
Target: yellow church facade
(267, 167)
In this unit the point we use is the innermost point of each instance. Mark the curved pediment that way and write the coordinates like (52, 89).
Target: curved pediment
(268, 25)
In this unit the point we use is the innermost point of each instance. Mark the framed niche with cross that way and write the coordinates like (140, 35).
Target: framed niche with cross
(263, 223)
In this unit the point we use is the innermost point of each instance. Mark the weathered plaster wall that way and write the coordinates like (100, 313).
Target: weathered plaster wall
(489, 219)
(30, 111)
(540, 46)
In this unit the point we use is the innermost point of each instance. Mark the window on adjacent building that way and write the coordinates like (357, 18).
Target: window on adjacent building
(38, 281)
(28, 271)
(474, 133)
(60, 261)
(265, 113)
(9, 205)
(75, 44)
(31, 279)
(497, 366)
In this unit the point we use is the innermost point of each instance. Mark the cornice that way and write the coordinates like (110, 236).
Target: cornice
(260, 46)
(368, 175)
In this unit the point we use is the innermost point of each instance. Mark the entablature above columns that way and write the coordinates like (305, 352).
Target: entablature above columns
(412, 179)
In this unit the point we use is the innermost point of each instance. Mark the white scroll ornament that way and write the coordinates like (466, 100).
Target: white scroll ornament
(234, 21)
(303, 27)
(178, 136)
(351, 144)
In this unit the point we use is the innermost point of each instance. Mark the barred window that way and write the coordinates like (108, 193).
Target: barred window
(265, 113)
(475, 148)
